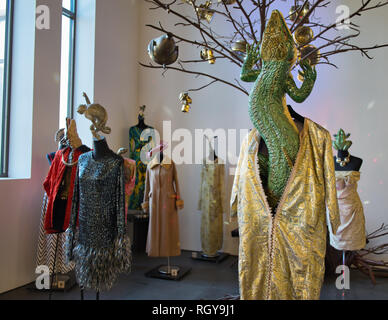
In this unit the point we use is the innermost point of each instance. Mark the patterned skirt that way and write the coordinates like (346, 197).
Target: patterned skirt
(47, 243)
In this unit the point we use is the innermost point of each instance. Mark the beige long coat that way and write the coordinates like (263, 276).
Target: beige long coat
(161, 200)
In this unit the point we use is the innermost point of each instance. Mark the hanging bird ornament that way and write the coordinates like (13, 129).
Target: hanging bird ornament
(208, 55)
(163, 50)
(204, 11)
(186, 102)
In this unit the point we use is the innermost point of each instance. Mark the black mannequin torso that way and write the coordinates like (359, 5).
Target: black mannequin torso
(141, 124)
(101, 150)
(161, 157)
(354, 164)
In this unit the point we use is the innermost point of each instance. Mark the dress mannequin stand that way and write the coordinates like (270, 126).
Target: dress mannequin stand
(167, 269)
(344, 162)
(100, 198)
(100, 150)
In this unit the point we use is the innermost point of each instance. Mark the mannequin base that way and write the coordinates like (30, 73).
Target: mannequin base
(169, 270)
(179, 275)
(61, 283)
(196, 255)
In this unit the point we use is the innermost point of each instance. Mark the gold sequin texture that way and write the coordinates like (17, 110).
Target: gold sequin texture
(282, 256)
(211, 203)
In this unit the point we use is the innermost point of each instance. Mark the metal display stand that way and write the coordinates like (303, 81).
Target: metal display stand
(221, 256)
(168, 272)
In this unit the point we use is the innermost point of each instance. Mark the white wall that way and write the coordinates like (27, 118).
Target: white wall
(353, 98)
(21, 199)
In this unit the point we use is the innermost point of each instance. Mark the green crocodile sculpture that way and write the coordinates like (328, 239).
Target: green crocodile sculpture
(267, 102)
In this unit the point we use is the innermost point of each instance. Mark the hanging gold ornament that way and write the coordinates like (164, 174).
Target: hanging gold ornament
(208, 55)
(293, 14)
(227, 2)
(204, 11)
(303, 35)
(186, 101)
(300, 77)
(312, 58)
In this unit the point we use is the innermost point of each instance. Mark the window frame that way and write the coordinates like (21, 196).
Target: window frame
(72, 15)
(5, 108)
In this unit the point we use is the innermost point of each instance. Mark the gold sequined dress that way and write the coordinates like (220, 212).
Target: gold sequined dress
(351, 232)
(211, 203)
(282, 256)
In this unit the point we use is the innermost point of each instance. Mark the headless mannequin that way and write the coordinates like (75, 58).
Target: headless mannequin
(215, 157)
(141, 124)
(101, 150)
(354, 164)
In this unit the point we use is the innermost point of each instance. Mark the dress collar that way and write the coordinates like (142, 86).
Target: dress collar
(166, 163)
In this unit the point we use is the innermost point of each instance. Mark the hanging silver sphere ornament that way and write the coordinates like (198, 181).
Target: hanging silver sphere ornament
(163, 50)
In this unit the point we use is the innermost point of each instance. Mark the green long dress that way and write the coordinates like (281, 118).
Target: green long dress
(136, 144)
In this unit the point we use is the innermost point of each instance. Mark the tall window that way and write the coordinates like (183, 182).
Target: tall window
(67, 60)
(6, 7)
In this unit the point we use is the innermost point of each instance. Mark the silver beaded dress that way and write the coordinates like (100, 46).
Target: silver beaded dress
(96, 238)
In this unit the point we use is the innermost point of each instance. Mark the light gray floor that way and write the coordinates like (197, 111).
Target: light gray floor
(206, 281)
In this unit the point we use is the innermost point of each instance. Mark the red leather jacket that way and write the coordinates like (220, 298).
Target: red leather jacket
(53, 181)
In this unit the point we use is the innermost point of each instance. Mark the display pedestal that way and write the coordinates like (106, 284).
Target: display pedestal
(61, 283)
(174, 275)
(197, 255)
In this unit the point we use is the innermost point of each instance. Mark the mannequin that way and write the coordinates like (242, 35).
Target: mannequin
(138, 143)
(141, 124)
(101, 150)
(354, 163)
(161, 187)
(215, 157)
(211, 205)
(102, 249)
(351, 233)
